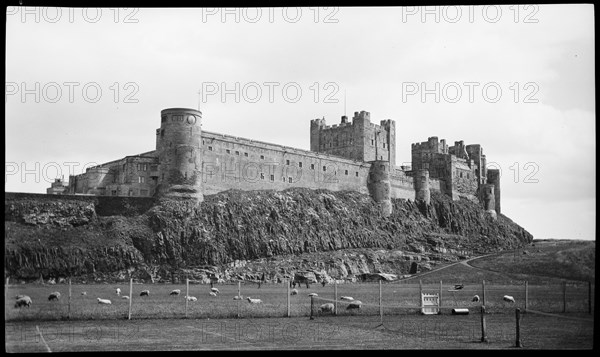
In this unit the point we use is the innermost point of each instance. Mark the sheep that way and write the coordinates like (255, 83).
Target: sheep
(294, 292)
(326, 308)
(354, 305)
(215, 290)
(118, 291)
(20, 296)
(312, 294)
(458, 286)
(475, 298)
(54, 296)
(347, 298)
(84, 293)
(125, 297)
(212, 294)
(175, 292)
(145, 293)
(191, 298)
(254, 301)
(23, 301)
(238, 297)
(508, 298)
(104, 301)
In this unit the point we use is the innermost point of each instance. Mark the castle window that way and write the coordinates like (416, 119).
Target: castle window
(262, 157)
(114, 192)
(356, 173)
(330, 144)
(289, 179)
(372, 142)
(145, 167)
(312, 166)
(246, 154)
(272, 177)
(283, 179)
(324, 168)
(346, 172)
(210, 148)
(384, 145)
(300, 164)
(262, 176)
(461, 175)
(202, 142)
(287, 162)
(468, 176)
(142, 179)
(228, 151)
(237, 153)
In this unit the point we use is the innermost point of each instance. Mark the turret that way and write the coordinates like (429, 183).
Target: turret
(493, 178)
(487, 196)
(179, 148)
(421, 183)
(379, 186)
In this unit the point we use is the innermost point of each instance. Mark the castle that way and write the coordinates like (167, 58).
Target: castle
(359, 155)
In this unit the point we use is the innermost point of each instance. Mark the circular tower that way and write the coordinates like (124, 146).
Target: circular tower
(379, 186)
(489, 204)
(422, 192)
(179, 150)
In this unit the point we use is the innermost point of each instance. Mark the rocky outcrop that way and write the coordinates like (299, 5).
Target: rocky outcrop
(248, 234)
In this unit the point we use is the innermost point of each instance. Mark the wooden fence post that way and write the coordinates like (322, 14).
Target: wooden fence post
(380, 306)
(421, 294)
(187, 295)
(335, 296)
(288, 297)
(6, 297)
(518, 332)
(526, 295)
(483, 328)
(239, 295)
(483, 292)
(312, 298)
(564, 296)
(69, 310)
(130, 297)
(440, 300)
(590, 296)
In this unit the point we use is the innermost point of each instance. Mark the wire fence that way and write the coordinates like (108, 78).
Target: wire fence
(280, 300)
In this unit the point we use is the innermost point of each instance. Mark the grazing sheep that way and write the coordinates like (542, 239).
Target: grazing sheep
(354, 305)
(326, 308)
(118, 291)
(313, 294)
(19, 296)
(191, 298)
(347, 298)
(212, 294)
(458, 286)
(215, 290)
(23, 301)
(175, 292)
(125, 297)
(54, 296)
(104, 301)
(475, 298)
(84, 293)
(508, 298)
(145, 293)
(254, 301)
(238, 297)
(294, 292)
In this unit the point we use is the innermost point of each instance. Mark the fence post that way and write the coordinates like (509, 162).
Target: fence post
(526, 295)
(380, 306)
(312, 298)
(483, 329)
(187, 295)
(69, 309)
(421, 294)
(564, 296)
(239, 300)
(288, 297)
(440, 300)
(589, 296)
(483, 292)
(6, 298)
(518, 332)
(130, 297)
(335, 296)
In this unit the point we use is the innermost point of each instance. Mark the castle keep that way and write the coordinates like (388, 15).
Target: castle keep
(353, 155)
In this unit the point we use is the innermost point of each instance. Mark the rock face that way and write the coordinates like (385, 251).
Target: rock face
(248, 234)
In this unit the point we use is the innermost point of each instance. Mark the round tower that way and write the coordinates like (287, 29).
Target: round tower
(179, 149)
(379, 186)
(422, 192)
(488, 199)
(493, 178)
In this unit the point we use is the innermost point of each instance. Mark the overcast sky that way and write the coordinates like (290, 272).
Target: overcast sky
(86, 86)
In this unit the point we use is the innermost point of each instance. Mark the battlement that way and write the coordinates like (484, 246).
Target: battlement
(432, 145)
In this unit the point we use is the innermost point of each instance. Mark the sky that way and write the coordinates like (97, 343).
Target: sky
(86, 86)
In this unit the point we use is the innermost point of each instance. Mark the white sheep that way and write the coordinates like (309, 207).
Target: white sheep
(475, 298)
(212, 294)
(313, 294)
(508, 298)
(215, 290)
(191, 298)
(104, 301)
(84, 293)
(347, 298)
(54, 296)
(238, 297)
(354, 305)
(254, 301)
(294, 292)
(328, 307)
(24, 300)
(175, 292)
(125, 297)
(118, 291)
(20, 296)
(145, 293)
